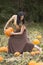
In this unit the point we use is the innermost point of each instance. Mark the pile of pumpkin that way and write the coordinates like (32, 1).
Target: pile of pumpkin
(36, 42)
(30, 62)
(16, 54)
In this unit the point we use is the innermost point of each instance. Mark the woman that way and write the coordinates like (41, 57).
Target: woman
(18, 40)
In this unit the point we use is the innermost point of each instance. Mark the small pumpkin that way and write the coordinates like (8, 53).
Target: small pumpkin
(8, 31)
(1, 58)
(37, 52)
(16, 53)
(3, 49)
(32, 53)
(36, 41)
(32, 62)
(39, 36)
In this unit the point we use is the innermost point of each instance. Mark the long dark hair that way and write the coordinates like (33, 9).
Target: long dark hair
(18, 17)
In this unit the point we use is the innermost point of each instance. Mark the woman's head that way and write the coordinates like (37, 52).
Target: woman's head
(20, 17)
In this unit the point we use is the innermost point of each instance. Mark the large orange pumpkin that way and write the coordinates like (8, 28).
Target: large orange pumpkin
(36, 41)
(8, 31)
(1, 58)
(32, 62)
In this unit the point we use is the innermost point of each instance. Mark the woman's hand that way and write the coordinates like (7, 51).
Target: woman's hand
(18, 33)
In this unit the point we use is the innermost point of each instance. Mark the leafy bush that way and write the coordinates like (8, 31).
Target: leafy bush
(33, 9)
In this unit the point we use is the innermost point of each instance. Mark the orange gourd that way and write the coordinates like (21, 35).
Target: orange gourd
(37, 52)
(36, 41)
(39, 63)
(1, 58)
(16, 53)
(3, 49)
(32, 53)
(32, 62)
(8, 31)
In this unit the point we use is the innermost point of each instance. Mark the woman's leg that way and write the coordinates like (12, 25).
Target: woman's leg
(28, 47)
(40, 49)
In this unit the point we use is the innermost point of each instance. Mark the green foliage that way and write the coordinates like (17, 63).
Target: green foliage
(7, 9)
(33, 9)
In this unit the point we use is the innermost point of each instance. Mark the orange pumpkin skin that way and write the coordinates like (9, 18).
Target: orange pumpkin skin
(32, 62)
(36, 41)
(37, 52)
(39, 63)
(32, 53)
(1, 58)
(3, 49)
(16, 53)
(8, 31)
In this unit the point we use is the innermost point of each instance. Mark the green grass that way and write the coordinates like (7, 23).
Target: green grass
(35, 29)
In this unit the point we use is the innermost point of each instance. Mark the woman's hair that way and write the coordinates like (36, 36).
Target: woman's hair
(19, 16)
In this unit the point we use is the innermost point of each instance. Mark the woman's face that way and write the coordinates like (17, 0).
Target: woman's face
(22, 17)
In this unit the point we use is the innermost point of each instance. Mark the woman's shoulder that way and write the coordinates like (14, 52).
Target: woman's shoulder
(14, 15)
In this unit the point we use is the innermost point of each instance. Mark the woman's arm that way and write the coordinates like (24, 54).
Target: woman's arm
(9, 21)
(21, 32)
